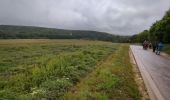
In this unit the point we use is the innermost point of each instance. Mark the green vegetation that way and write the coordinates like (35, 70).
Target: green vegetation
(112, 80)
(167, 48)
(36, 69)
(30, 32)
(159, 31)
(65, 69)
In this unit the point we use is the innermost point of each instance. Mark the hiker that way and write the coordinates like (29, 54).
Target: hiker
(159, 49)
(145, 45)
(154, 46)
(150, 45)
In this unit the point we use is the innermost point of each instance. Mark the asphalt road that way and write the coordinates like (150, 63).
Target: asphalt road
(155, 70)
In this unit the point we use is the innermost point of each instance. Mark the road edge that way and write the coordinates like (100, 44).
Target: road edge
(152, 89)
(138, 78)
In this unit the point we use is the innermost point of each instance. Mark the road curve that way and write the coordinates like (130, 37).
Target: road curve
(155, 70)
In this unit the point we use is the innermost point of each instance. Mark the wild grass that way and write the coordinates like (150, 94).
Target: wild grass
(47, 69)
(113, 79)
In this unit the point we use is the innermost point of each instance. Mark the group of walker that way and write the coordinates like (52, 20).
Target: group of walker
(156, 46)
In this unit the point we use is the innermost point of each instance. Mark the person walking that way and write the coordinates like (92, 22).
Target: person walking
(145, 45)
(159, 49)
(150, 45)
(154, 46)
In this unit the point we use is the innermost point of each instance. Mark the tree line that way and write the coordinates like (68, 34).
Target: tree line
(30, 32)
(159, 31)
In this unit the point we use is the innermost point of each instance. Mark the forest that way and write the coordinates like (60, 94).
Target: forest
(30, 32)
(159, 31)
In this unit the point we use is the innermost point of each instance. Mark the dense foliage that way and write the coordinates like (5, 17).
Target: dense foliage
(159, 31)
(167, 48)
(29, 32)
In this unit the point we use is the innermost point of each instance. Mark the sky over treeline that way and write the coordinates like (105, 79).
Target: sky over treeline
(123, 17)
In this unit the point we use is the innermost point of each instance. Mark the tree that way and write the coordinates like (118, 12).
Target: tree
(159, 31)
(143, 36)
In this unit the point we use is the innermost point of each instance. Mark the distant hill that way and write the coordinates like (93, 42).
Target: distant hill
(31, 32)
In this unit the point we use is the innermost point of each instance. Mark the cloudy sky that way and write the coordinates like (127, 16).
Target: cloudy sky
(123, 17)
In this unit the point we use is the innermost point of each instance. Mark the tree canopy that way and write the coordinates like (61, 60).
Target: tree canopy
(159, 31)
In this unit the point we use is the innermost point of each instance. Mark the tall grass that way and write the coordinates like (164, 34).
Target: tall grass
(112, 80)
(47, 70)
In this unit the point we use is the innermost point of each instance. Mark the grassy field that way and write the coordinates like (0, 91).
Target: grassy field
(65, 69)
(113, 79)
(167, 48)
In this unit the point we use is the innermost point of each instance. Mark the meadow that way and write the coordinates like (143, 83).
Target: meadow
(33, 69)
(113, 79)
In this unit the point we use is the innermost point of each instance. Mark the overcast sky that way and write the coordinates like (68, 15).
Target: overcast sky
(123, 17)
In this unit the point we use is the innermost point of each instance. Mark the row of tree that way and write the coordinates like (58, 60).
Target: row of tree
(30, 32)
(159, 31)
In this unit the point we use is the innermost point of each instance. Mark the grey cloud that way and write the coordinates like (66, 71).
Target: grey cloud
(123, 17)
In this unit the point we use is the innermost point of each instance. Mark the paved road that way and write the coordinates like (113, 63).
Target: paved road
(155, 71)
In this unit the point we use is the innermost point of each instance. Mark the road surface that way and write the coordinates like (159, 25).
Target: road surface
(155, 70)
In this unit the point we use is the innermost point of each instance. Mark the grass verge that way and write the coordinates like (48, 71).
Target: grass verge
(112, 80)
